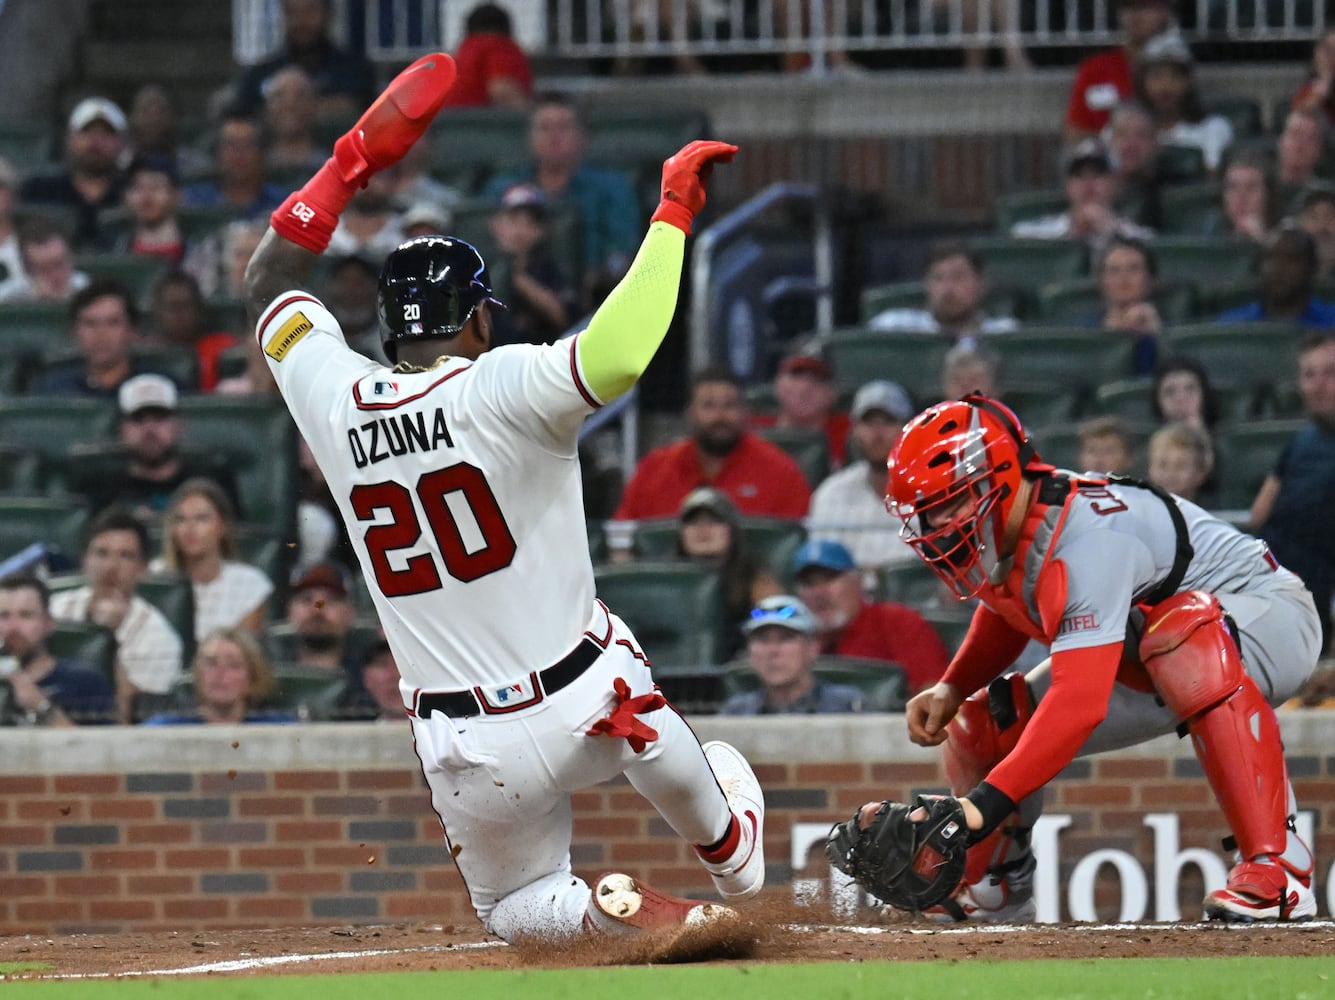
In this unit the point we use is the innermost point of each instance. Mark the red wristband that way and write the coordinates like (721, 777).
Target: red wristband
(309, 217)
(674, 214)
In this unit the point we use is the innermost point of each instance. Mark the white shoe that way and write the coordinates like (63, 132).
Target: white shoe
(743, 873)
(1005, 897)
(1262, 889)
(619, 904)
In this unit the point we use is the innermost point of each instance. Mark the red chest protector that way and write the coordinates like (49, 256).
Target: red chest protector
(1051, 501)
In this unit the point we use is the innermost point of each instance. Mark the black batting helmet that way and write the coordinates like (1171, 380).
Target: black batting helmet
(430, 287)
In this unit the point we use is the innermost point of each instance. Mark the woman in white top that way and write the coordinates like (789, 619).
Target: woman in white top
(1166, 84)
(198, 542)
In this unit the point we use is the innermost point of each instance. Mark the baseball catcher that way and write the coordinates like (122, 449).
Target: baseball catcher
(1158, 617)
(910, 856)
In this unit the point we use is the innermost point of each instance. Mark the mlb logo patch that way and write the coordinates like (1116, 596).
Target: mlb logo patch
(385, 389)
(510, 697)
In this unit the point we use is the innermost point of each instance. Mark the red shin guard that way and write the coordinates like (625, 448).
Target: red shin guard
(1197, 671)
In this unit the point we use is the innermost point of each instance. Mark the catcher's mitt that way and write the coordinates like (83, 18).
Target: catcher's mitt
(910, 864)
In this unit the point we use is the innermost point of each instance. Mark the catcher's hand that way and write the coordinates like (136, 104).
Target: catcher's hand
(912, 864)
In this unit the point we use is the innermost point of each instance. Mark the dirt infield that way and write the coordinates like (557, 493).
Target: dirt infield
(770, 933)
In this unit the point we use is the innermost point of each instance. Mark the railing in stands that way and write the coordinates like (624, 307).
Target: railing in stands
(397, 30)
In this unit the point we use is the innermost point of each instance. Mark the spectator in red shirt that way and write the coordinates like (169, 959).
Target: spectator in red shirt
(805, 389)
(1104, 79)
(492, 69)
(830, 584)
(759, 477)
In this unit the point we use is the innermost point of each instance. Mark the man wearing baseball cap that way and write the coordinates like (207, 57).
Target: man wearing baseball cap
(829, 583)
(782, 644)
(150, 463)
(849, 506)
(807, 397)
(321, 614)
(92, 181)
(1091, 187)
(539, 297)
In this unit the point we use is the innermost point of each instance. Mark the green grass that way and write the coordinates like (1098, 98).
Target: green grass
(1143, 979)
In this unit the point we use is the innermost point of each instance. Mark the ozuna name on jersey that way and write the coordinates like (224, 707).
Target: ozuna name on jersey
(397, 434)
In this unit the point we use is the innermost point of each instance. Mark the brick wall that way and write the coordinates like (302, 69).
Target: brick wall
(331, 825)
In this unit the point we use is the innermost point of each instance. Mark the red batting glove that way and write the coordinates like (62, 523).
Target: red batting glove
(685, 175)
(381, 137)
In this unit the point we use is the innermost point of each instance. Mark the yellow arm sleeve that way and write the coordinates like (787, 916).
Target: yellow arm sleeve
(630, 324)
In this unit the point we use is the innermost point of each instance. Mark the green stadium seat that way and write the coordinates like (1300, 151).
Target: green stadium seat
(258, 433)
(27, 146)
(52, 425)
(1205, 261)
(1257, 355)
(674, 609)
(90, 644)
(1044, 402)
(1018, 206)
(1180, 164)
(1247, 453)
(55, 522)
(1214, 300)
(809, 447)
(1056, 444)
(636, 140)
(859, 354)
(20, 471)
(1075, 301)
(1075, 357)
(951, 623)
(1189, 209)
(309, 694)
(913, 295)
(28, 329)
(174, 596)
(1009, 262)
(138, 272)
(896, 295)
(1243, 113)
(771, 540)
(1129, 398)
(884, 684)
(198, 222)
(910, 582)
(470, 145)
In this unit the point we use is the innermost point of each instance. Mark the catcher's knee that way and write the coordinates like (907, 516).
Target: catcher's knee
(985, 729)
(1190, 653)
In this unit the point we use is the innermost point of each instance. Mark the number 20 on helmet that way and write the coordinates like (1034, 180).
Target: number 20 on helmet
(953, 478)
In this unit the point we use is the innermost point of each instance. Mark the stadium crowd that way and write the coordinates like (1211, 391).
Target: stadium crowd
(170, 554)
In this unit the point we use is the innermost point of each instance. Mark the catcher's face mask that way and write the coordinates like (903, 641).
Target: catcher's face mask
(952, 480)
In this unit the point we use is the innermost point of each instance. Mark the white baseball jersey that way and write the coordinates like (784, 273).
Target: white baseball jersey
(465, 480)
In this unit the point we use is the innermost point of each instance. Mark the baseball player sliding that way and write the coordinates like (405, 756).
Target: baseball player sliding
(1159, 617)
(457, 475)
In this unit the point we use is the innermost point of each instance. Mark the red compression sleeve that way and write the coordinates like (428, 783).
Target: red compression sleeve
(1077, 701)
(989, 647)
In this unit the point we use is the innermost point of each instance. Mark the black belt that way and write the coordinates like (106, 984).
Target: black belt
(465, 704)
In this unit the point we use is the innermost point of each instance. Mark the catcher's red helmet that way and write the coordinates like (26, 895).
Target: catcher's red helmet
(953, 476)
